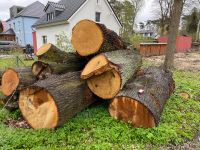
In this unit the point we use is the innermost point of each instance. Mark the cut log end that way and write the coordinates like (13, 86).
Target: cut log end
(131, 111)
(96, 66)
(10, 81)
(40, 69)
(38, 108)
(106, 85)
(87, 37)
(42, 50)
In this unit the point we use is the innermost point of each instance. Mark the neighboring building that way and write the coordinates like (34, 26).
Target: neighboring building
(146, 29)
(8, 35)
(22, 19)
(62, 17)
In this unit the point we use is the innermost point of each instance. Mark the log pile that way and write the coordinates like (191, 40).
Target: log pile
(60, 84)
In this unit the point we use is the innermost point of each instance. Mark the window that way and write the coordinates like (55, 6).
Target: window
(97, 16)
(50, 16)
(14, 26)
(44, 39)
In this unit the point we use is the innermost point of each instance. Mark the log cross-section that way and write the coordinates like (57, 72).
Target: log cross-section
(89, 38)
(16, 79)
(108, 72)
(142, 101)
(51, 102)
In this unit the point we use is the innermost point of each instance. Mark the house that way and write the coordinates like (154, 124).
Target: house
(61, 17)
(22, 19)
(146, 29)
(8, 35)
(147, 33)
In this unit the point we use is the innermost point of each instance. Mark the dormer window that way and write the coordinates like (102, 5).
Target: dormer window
(50, 16)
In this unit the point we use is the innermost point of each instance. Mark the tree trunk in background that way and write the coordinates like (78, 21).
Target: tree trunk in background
(173, 30)
(198, 31)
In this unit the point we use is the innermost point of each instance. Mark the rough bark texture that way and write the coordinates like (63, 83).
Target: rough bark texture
(122, 64)
(173, 31)
(151, 88)
(42, 70)
(112, 41)
(16, 79)
(69, 94)
(50, 53)
(87, 43)
(10, 102)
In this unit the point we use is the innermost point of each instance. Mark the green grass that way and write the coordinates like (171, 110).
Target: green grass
(94, 129)
(12, 62)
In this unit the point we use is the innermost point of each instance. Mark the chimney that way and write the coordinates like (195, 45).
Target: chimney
(14, 10)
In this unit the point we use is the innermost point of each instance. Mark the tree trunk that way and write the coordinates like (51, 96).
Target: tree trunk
(173, 30)
(16, 79)
(143, 99)
(50, 103)
(107, 73)
(198, 31)
(90, 38)
(42, 70)
(50, 53)
(1, 73)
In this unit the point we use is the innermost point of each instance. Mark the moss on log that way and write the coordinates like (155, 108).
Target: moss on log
(50, 53)
(52, 102)
(108, 72)
(142, 101)
(89, 38)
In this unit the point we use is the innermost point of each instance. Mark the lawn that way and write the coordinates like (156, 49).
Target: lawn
(94, 129)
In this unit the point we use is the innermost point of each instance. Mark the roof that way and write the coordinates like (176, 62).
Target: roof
(71, 7)
(146, 31)
(8, 32)
(33, 10)
(57, 6)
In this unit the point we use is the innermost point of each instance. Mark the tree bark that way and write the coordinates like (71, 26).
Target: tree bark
(16, 79)
(50, 53)
(42, 70)
(143, 99)
(10, 102)
(90, 38)
(107, 73)
(50, 103)
(173, 31)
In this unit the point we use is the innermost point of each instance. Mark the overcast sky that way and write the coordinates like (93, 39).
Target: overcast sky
(143, 15)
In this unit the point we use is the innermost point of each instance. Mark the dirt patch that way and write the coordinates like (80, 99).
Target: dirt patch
(20, 123)
(183, 61)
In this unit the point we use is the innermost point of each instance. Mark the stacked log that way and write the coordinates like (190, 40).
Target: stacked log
(108, 72)
(44, 106)
(59, 85)
(143, 99)
(89, 37)
(52, 60)
(16, 79)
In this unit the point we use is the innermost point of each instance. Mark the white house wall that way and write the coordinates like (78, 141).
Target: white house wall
(86, 11)
(51, 33)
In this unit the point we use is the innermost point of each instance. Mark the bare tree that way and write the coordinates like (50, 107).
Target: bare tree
(163, 9)
(198, 28)
(173, 31)
(137, 5)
